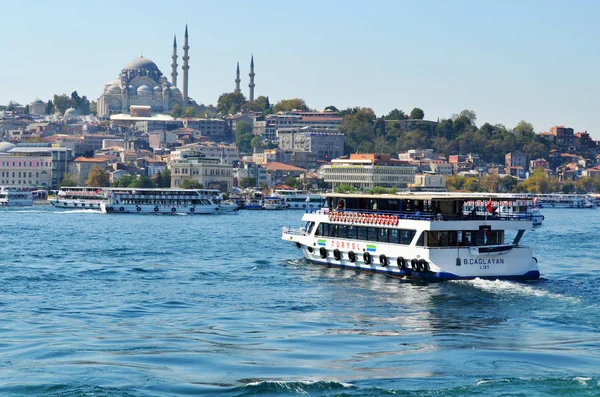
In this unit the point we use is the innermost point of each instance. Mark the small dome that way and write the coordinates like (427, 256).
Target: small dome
(157, 88)
(113, 89)
(144, 90)
(6, 146)
(71, 113)
(38, 102)
(174, 89)
(142, 63)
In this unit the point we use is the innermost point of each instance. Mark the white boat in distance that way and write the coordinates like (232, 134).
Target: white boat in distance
(299, 200)
(420, 235)
(556, 200)
(165, 201)
(273, 203)
(78, 197)
(14, 197)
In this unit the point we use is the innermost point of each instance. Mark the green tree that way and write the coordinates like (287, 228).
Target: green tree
(243, 127)
(163, 179)
(417, 114)
(61, 103)
(490, 183)
(471, 185)
(190, 184)
(189, 112)
(123, 181)
(68, 180)
(98, 177)
(230, 103)
(287, 105)
(177, 111)
(246, 183)
(524, 127)
(345, 189)
(93, 108)
(293, 182)
(26, 109)
(49, 107)
(395, 115)
(244, 142)
(141, 182)
(331, 108)
(508, 183)
(256, 142)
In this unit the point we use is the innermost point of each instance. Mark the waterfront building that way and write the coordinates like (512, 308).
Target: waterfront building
(212, 173)
(327, 144)
(366, 171)
(31, 165)
(81, 167)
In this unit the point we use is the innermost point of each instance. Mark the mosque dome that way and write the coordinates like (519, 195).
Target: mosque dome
(174, 89)
(113, 89)
(157, 88)
(71, 113)
(142, 63)
(144, 90)
(38, 102)
(6, 146)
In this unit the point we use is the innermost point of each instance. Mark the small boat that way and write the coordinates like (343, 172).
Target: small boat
(420, 235)
(78, 197)
(298, 199)
(273, 203)
(254, 201)
(556, 200)
(14, 197)
(165, 201)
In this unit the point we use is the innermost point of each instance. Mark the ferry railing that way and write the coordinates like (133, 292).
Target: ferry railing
(426, 216)
(294, 232)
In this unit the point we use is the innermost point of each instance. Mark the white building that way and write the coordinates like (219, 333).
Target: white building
(212, 173)
(366, 171)
(33, 165)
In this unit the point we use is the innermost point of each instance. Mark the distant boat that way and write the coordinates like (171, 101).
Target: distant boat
(565, 200)
(299, 200)
(78, 197)
(273, 203)
(13, 197)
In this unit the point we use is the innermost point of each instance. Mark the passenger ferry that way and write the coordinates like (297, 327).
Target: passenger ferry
(299, 200)
(254, 201)
(78, 197)
(556, 200)
(521, 206)
(273, 203)
(165, 201)
(11, 196)
(415, 235)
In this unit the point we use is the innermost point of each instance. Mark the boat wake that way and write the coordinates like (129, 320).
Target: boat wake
(510, 288)
(81, 211)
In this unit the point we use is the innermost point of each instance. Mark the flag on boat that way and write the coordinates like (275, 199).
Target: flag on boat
(307, 198)
(489, 206)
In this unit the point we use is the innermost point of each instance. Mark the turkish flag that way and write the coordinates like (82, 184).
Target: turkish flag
(489, 206)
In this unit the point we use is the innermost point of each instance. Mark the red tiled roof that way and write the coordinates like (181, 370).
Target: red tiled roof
(275, 166)
(89, 160)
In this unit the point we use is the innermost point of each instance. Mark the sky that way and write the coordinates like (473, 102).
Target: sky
(508, 60)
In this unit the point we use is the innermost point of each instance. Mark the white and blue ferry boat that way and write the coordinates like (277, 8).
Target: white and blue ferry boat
(417, 235)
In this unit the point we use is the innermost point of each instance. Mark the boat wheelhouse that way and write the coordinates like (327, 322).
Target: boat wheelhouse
(299, 200)
(14, 197)
(415, 235)
(519, 206)
(78, 197)
(165, 201)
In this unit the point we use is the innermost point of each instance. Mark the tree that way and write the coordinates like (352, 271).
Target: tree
(395, 115)
(163, 179)
(49, 107)
(61, 103)
(230, 103)
(243, 127)
(524, 128)
(93, 108)
(244, 142)
(345, 189)
(331, 108)
(293, 182)
(69, 180)
(97, 177)
(189, 112)
(490, 183)
(26, 109)
(256, 142)
(141, 182)
(190, 184)
(287, 105)
(123, 181)
(177, 111)
(247, 183)
(417, 114)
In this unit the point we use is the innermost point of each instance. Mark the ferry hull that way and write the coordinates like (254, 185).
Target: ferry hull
(174, 210)
(73, 204)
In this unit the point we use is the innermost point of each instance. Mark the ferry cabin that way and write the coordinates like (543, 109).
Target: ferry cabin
(423, 236)
(11, 196)
(78, 197)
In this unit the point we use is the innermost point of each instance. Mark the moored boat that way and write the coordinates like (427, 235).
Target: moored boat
(165, 201)
(556, 200)
(299, 200)
(273, 203)
(14, 197)
(417, 236)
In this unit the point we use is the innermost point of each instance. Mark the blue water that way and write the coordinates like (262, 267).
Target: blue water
(144, 305)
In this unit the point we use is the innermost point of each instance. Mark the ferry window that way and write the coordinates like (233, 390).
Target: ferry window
(333, 230)
(420, 240)
(466, 238)
(406, 236)
(372, 234)
(309, 227)
(352, 232)
(384, 235)
(362, 233)
(342, 231)
(326, 229)
(394, 236)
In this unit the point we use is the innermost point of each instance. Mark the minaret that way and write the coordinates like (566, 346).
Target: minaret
(237, 79)
(185, 67)
(174, 64)
(251, 74)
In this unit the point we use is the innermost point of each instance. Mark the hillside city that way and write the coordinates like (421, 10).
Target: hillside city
(146, 131)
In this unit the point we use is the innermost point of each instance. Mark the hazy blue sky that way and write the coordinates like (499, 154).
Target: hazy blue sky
(506, 60)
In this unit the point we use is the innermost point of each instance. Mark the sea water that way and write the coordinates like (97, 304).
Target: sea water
(180, 305)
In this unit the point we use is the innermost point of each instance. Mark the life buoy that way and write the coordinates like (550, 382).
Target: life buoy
(155, 209)
(192, 209)
(323, 252)
(173, 209)
(310, 249)
(337, 254)
(422, 265)
(298, 245)
(352, 256)
(121, 209)
(401, 263)
(414, 264)
(367, 258)
(383, 261)
(138, 209)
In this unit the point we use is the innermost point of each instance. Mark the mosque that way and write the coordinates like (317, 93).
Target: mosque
(141, 83)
